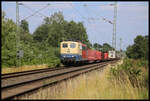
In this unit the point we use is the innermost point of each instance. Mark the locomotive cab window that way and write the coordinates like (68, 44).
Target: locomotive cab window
(72, 45)
(65, 45)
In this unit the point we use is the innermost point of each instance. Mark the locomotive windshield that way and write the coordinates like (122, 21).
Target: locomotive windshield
(65, 45)
(72, 45)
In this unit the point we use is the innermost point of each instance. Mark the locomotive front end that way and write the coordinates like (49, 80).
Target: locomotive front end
(70, 52)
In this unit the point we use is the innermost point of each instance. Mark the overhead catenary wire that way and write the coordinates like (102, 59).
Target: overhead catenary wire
(80, 14)
(36, 12)
(92, 18)
(32, 10)
(96, 4)
(85, 5)
(84, 18)
(121, 5)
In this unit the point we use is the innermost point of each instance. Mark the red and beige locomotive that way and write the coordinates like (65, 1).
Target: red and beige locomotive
(73, 52)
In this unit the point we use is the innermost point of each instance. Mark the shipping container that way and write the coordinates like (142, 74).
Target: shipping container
(91, 55)
(98, 55)
(105, 56)
(112, 54)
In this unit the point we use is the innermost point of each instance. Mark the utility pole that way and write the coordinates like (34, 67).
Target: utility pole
(120, 47)
(114, 26)
(17, 36)
(120, 44)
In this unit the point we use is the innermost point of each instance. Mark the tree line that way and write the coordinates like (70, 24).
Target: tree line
(42, 47)
(139, 50)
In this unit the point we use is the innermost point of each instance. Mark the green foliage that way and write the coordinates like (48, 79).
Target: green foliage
(139, 49)
(33, 52)
(136, 70)
(3, 15)
(41, 47)
(24, 26)
(8, 42)
(55, 29)
(106, 47)
(97, 46)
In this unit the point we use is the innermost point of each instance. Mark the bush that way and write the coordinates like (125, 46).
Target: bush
(139, 49)
(136, 70)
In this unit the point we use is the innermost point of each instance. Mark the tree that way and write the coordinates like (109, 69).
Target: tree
(24, 32)
(57, 16)
(41, 33)
(35, 51)
(51, 31)
(3, 15)
(97, 46)
(55, 29)
(106, 47)
(24, 26)
(139, 49)
(8, 42)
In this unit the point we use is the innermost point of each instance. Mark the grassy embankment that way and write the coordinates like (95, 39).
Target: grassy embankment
(52, 64)
(23, 68)
(26, 68)
(101, 85)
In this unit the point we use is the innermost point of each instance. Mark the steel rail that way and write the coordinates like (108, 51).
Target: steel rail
(15, 74)
(23, 87)
(5, 82)
(28, 72)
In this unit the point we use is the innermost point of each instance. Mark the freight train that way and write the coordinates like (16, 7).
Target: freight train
(74, 53)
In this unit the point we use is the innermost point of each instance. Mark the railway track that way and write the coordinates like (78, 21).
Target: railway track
(15, 74)
(29, 72)
(18, 84)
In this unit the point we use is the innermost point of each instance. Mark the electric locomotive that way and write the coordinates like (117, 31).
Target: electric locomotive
(73, 52)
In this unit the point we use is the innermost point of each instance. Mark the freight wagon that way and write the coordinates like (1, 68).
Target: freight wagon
(72, 52)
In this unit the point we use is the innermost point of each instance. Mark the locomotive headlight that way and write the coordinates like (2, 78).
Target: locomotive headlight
(64, 56)
(72, 56)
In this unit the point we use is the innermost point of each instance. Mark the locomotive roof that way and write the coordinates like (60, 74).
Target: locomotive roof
(77, 42)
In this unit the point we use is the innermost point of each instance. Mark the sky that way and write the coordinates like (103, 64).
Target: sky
(132, 18)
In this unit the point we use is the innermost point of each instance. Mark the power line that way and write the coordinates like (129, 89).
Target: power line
(31, 4)
(82, 16)
(96, 4)
(110, 4)
(89, 13)
(85, 5)
(36, 11)
(32, 10)
(114, 23)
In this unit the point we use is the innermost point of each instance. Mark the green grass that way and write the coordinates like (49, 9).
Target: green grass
(95, 85)
(136, 70)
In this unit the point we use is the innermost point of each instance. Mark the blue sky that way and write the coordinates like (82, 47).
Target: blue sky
(132, 18)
